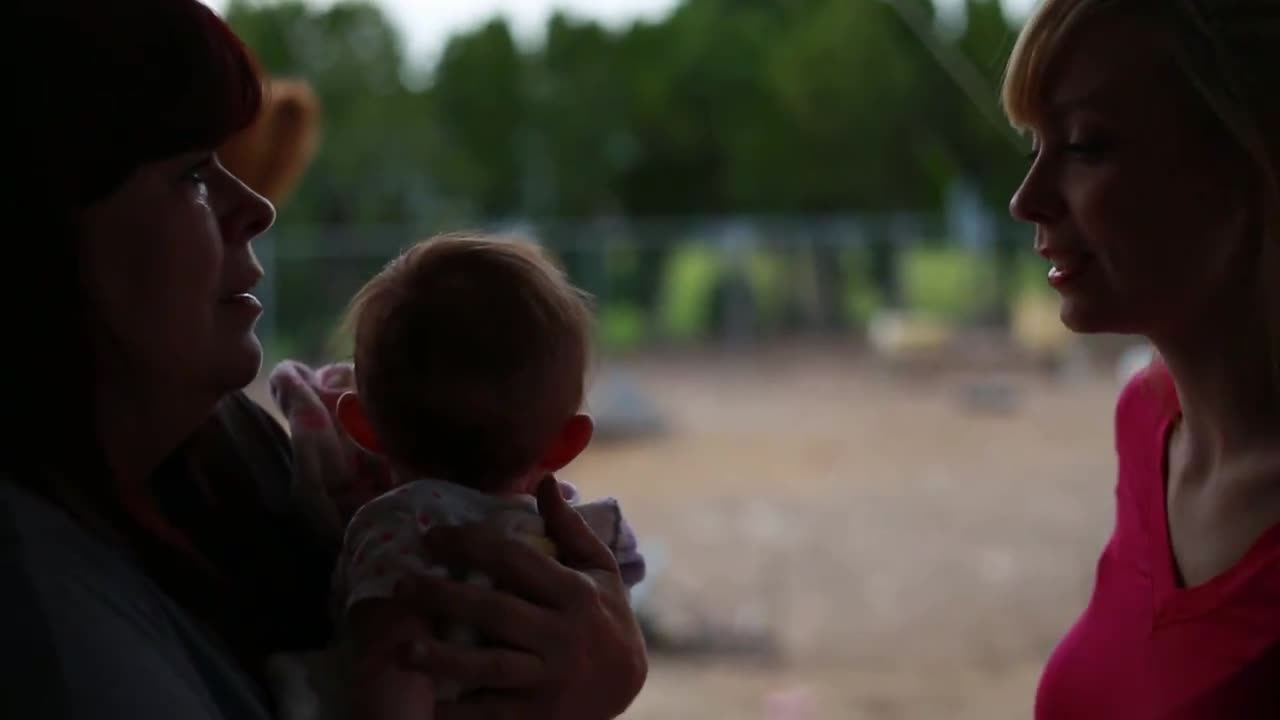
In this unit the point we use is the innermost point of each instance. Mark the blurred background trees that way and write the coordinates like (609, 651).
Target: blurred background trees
(729, 155)
(726, 106)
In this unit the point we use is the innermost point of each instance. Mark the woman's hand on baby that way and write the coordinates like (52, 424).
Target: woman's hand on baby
(573, 649)
(383, 640)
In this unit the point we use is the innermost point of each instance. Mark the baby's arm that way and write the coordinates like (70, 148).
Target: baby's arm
(383, 546)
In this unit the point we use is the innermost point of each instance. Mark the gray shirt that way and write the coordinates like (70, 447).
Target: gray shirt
(87, 632)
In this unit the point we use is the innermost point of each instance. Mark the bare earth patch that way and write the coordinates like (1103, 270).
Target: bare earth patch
(915, 559)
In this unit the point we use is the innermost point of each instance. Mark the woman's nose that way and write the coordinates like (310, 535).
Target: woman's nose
(1037, 199)
(252, 215)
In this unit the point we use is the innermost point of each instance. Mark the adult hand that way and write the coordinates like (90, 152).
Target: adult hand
(380, 641)
(571, 646)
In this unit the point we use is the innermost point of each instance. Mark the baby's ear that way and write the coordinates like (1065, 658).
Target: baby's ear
(354, 420)
(574, 437)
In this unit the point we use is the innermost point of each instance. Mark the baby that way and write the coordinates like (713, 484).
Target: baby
(471, 354)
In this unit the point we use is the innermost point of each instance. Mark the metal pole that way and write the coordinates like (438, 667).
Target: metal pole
(955, 64)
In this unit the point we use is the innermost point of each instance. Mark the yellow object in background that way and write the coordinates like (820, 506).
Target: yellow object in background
(272, 154)
(541, 543)
(1037, 326)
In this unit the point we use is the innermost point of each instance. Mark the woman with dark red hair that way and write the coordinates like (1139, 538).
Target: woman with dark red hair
(150, 554)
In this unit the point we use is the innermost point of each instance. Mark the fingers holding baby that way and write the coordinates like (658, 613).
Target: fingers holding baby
(470, 358)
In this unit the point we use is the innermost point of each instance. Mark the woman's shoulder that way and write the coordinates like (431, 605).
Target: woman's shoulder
(249, 423)
(243, 444)
(39, 547)
(286, 570)
(85, 633)
(1147, 404)
(35, 533)
(53, 564)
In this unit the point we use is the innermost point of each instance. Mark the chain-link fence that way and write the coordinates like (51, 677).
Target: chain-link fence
(694, 281)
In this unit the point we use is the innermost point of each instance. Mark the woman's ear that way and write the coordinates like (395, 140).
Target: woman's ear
(574, 437)
(353, 419)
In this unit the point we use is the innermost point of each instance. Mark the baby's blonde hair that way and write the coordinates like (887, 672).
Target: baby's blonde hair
(1228, 51)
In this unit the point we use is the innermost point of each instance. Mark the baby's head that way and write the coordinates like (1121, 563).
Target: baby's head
(471, 355)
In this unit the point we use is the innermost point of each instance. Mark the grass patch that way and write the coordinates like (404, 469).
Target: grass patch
(946, 284)
(621, 327)
(688, 292)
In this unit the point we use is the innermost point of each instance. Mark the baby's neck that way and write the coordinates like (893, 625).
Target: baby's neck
(524, 485)
(512, 493)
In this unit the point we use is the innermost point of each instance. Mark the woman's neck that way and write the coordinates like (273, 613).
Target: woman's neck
(139, 427)
(1227, 391)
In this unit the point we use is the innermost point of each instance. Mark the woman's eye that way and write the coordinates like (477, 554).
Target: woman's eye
(198, 174)
(1086, 150)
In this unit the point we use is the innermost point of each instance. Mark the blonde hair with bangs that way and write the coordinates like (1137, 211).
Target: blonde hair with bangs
(1229, 53)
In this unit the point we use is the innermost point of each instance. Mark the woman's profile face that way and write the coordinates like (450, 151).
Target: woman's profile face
(1138, 201)
(168, 273)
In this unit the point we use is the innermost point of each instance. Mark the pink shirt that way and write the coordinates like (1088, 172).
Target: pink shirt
(1145, 647)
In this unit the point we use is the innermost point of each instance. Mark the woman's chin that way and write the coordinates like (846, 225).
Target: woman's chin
(1085, 318)
(239, 365)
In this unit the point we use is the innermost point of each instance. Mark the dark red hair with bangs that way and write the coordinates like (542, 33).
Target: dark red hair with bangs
(115, 84)
(105, 87)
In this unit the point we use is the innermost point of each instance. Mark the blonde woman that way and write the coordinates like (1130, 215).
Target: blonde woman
(1154, 188)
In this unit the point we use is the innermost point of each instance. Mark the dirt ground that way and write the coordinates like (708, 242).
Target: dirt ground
(911, 556)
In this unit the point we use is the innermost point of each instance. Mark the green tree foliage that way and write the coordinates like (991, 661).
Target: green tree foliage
(378, 134)
(725, 106)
